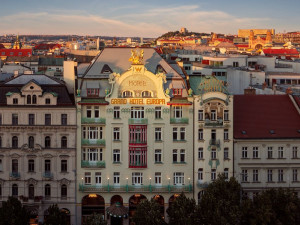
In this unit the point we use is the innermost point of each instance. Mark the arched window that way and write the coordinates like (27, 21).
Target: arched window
(146, 94)
(47, 142)
(47, 191)
(0, 141)
(31, 191)
(28, 99)
(14, 142)
(64, 142)
(64, 191)
(34, 99)
(0, 190)
(127, 94)
(31, 142)
(14, 166)
(14, 190)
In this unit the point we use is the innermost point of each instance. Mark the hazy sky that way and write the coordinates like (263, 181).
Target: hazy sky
(149, 18)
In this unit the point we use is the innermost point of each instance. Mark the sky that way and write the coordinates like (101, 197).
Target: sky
(145, 18)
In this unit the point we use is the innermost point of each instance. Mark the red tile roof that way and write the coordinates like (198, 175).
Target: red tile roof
(281, 52)
(15, 52)
(255, 116)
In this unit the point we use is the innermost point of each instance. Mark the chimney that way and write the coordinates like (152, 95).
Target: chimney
(16, 73)
(69, 75)
(250, 91)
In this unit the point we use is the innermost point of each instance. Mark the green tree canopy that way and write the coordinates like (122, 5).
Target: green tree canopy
(55, 216)
(95, 219)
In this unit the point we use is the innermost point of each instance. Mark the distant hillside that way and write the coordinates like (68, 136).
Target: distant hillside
(178, 34)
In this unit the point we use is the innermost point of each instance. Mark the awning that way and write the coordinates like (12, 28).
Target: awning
(117, 210)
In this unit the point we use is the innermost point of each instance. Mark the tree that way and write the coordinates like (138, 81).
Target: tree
(55, 216)
(182, 211)
(220, 203)
(148, 213)
(95, 219)
(13, 213)
(276, 206)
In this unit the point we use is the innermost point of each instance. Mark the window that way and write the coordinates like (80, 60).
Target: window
(117, 112)
(47, 166)
(226, 153)
(213, 114)
(137, 178)
(157, 112)
(28, 99)
(226, 135)
(14, 190)
(177, 112)
(200, 115)
(270, 175)
(15, 101)
(87, 178)
(226, 115)
(280, 152)
(137, 157)
(98, 178)
(47, 101)
(64, 165)
(47, 119)
(213, 174)
(92, 92)
(15, 142)
(127, 94)
(47, 191)
(226, 173)
(177, 91)
(116, 155)
(33, 99)
(47, 142)
(244, 175)
(255, 175)
(295, 175)
(182, 155)
(157, 156)
(157, 178)
(116, 178)
(235, 64)
(213, 135)
(158, 134)
(116, 133)
(14, 119)
(175, 133)
(146, 94)
(89, 112)
(182, 133)
(270, 152)
(200, 153)
(178, 178)
(31, 142)
(31, 119)
(92, 154)
(64, 191)
(295, 152)
(174, 155)
(200, 134)
(0, 119)
(280, 175)
(137, 134)
(30, 165)
(1, 165)
(244, 152)
(31, 191)
(64, 119)
(92, 133)
(255, 152)
(137, 112)
(200, 174)
(64, 142)
(96, 112)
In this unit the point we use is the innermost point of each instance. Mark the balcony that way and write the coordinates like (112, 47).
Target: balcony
(202, 184)
(85, 120)
(92, 164)
(94, 142)
(15, 175)
(179, 120)
(136, 188)
(48, 175)
(137, 165)
(214, 142)
(137, 121)
(213, 123)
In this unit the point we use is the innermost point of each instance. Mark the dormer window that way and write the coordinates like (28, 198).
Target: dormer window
(177, 92)
(47, 101)
(15, 101)
(146, 94)
(92, 92)
(34, 99)
(127, 94)
(28, 99)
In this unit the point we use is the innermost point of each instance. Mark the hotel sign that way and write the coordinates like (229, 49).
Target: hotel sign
(138, 101)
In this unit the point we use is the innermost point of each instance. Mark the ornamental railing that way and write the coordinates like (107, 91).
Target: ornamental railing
(213, 123)
(179, 120)
(15, 175)
(137, 121)
(92, 164)
(95, 142)
(85, 120)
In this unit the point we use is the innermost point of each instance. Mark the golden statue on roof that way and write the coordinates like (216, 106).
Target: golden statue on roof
(136, 57)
